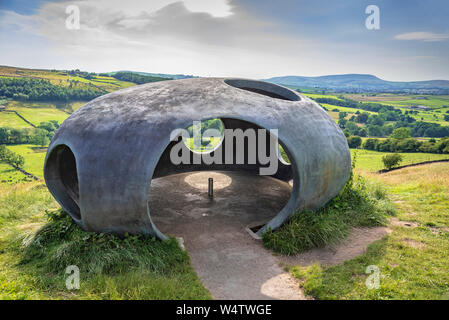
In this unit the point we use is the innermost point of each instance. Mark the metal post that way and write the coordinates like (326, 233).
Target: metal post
(211, 187)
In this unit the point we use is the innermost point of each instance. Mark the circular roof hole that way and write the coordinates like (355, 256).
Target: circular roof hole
(264, 88)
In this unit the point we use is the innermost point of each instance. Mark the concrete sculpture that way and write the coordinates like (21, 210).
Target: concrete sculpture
(101, 161)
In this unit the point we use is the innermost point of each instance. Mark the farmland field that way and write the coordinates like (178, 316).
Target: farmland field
(34, 157)
(403, 100)
(12, 120)
(368, 160)
(10, 176)
(317, 95)
(62, 78)
(37, 112)
(439, 105)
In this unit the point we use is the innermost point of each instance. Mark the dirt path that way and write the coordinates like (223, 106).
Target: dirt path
(354, 245)
(232, 264)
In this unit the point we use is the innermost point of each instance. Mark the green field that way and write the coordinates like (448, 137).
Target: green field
(351, 111)
(412, 260)
(316, 95)
(401, 100)
(9, 175)
(439, 104)
(34, 157)
(12, 120)
(40, 115)
(368, 160)
(62, 78)
(335, 114)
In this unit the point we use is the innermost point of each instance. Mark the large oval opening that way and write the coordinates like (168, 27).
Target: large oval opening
(61, 177)
(242, 199)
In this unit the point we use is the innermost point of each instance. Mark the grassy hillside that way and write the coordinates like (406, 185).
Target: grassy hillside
(412, 260)
(36, 116)
(371, 161)
(38, 243)
(438, 105)
(62, 78)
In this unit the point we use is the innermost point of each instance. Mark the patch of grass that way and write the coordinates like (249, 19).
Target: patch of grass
(368, 160)
(12, 120)
(61, 78)
(34, 157)
(421, 193)
(358, 204)
(38, 242)
(412, 261)
(38, 115)
(9, 175)
(406, 271)
(23, 203)
(350, 111)
(401, 100)
(316, 96)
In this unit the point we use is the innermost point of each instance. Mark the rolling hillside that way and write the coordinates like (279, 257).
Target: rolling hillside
(362, 82)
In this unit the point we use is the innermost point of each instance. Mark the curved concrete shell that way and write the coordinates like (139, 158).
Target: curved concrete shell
(102, 159)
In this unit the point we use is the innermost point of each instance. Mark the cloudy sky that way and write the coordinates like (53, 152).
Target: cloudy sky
(245, 38)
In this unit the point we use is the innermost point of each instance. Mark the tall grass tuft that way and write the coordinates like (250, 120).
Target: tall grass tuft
(359, 204)
(111, 267)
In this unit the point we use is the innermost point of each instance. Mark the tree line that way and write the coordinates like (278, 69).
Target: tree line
(137, 78)
(400, 145)
(43, 90)
(386, 121)
(41, 135)
(349, 103)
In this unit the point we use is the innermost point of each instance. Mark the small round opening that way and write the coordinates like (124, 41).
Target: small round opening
(61, 177)
(204, 136)
(264, 88)
(283, 155)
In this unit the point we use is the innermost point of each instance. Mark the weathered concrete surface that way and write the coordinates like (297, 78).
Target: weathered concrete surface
(231, 264)
(116, 142)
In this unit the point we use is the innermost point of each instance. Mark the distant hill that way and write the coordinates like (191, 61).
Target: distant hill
(362, 82)
(157, 75)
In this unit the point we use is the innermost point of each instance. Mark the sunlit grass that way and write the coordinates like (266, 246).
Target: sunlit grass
(412, 262)
(38, 242)
(34, 157)
(371, 161)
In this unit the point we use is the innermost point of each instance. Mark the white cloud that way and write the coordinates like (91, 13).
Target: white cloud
(423, 36)
(209, 37)
(201, 37)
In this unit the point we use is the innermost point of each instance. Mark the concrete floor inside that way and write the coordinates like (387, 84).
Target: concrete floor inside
(231, 264)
